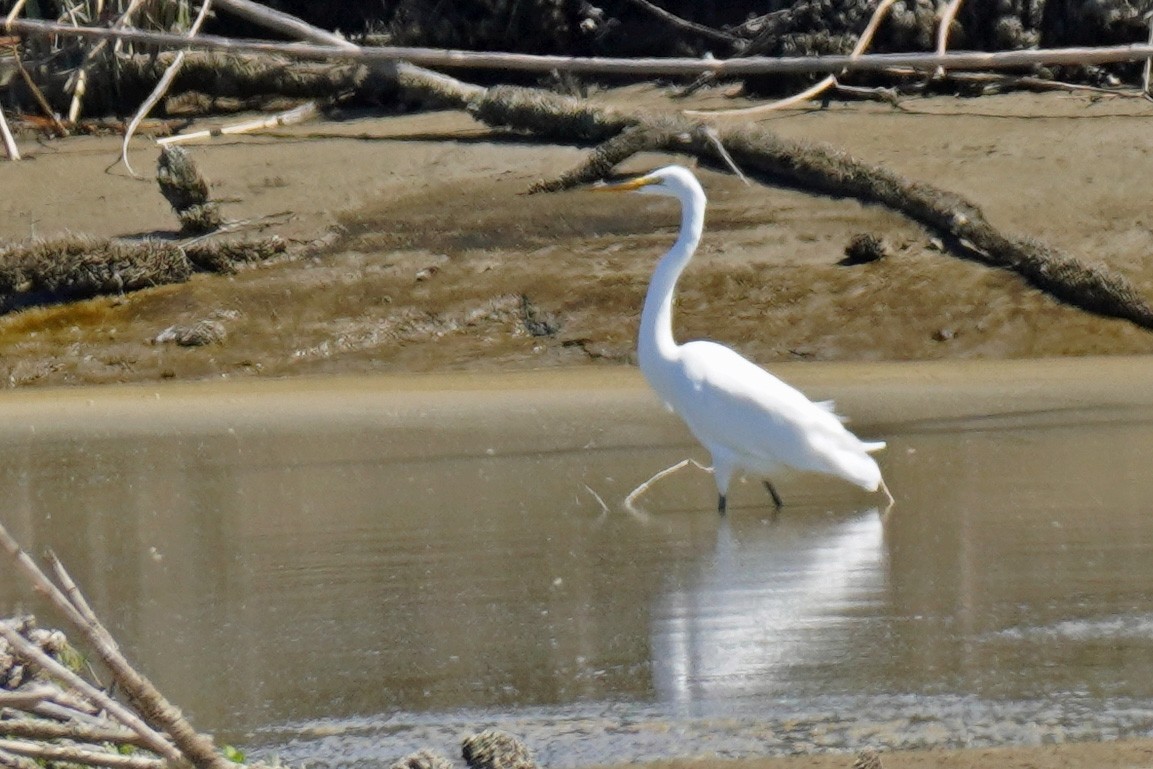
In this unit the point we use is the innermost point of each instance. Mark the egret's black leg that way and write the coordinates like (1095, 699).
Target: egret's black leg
(773, 493)
(722, 502)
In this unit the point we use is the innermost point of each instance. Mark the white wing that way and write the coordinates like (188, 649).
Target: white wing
(732, 403)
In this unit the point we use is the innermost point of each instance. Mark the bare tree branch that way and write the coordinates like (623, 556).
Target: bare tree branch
(650, 66)
(686, 25)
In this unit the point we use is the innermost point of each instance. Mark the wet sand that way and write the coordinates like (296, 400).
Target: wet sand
(444, 264)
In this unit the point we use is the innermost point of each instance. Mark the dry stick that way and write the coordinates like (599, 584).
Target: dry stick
(1145, 71)
(649, 66)
(10, 761)
(80, 83)
(829, 81)
(9, 140)
(947, 17)
(25, 648)
(161, 87)
(45, 107)
(1025, 81)
(14, 12)
(25, 698)
(644, 487)
(74, 754)
(685, 24)
(194, 746)
(189, 745)
(68, 713)
(77, 599)
(43, 729)
(291, 117)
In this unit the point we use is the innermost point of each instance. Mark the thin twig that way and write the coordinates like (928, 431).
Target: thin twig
(639, 490)
(598, 498)
(43, 729)
(19, 6)
(715, 140)
(947, 17)
(75, 597)
(75, 754)
(161, 87)
(815, 90)
(291, 117)
(25, 698)
(37, 94)
(61, 712)
(30, 651)
(1146, 70)
(750, 65)
(685, 24)
(79, 81)
(9, 140)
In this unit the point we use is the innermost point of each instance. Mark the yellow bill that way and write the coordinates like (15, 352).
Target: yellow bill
(625, 186)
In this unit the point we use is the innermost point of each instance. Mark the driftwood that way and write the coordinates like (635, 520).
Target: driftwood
(736, 67)
(42, 661)
(186, 191)
(72, 267)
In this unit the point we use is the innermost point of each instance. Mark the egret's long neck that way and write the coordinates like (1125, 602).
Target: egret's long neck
(656, 342)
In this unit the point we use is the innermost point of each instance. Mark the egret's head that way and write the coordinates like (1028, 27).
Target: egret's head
(671, 181)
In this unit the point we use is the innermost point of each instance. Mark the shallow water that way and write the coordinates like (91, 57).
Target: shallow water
(340, 571)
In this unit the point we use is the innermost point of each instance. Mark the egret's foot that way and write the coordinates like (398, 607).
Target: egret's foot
(722, 504)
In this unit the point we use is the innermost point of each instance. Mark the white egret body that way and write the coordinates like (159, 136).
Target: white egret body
(749, 420)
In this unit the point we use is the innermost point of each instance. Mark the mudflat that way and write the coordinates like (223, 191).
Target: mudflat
(438, 260)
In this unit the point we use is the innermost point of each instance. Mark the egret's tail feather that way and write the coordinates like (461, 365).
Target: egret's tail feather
(871, 446)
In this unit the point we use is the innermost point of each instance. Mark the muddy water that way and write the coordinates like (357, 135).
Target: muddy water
(338, 571)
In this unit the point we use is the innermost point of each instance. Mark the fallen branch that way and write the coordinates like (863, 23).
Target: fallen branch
(292, 117)
(944, 28)
(9, 140)
(27, 650)
(816, 90)
(161, 87)
(688, 26)
(42, 729)
(186, 744)
(752, 65)
(77, 755)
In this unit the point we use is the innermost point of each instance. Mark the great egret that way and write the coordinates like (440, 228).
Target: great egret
(748, 419)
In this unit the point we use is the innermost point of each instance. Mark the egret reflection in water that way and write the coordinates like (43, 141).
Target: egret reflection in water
(772, 599)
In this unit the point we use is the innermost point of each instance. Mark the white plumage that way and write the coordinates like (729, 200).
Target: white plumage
(749, 420)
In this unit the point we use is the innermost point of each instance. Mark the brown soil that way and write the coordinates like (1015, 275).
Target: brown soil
(445, 264)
